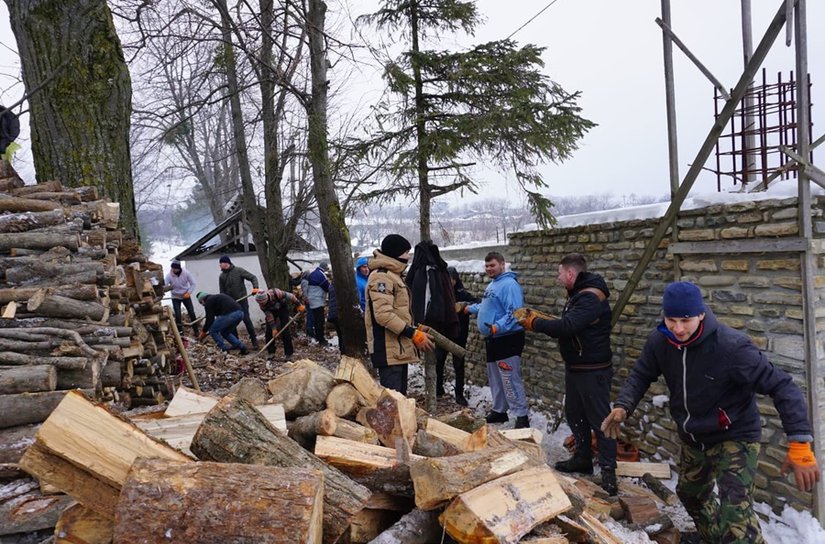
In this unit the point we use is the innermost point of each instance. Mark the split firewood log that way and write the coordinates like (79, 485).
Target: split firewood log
(235, 432)
(376, 467)
(416, 527)
(505, 509)
(393, 417)
(438, 480)
(430, 445)
(302, 389)
(353, 371)
(80, 525)
(345, 400)
(163, 501)
(24, 508)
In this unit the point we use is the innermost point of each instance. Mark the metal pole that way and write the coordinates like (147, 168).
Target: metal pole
(809, 295)
(749, 152)
(670, 102)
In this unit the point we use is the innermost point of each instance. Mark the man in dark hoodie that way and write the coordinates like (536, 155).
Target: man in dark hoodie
(231, 282)
(713, 373)
(583, 332)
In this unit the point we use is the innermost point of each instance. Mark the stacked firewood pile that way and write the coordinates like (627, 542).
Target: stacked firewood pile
(355, 463)
(80, 304)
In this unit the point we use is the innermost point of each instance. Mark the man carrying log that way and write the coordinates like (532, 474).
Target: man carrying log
(182, 285)
(222, 317)
(274, 305)
(583, 332)
(713, 373)
(392, 338)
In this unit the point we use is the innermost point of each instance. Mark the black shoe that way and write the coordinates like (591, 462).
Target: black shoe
(522, 422)
(497, 417)
(244, 351)
(576, 464)
(440, 392)
(609, 483)
(460, 400)
(255, 345)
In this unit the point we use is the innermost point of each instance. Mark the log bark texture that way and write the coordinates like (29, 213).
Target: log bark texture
(27, 379)
(38, 240)
(233, 431)
(166, 501)
(345, 400)
(303, 389)
(80, 525)
(25, 408)
(22, 222)
(42, 303)
(416, 527)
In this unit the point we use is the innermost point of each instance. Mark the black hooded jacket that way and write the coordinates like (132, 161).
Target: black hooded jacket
(583, 329)
(432, 296)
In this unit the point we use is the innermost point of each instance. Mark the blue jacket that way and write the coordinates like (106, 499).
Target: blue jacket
(502, 296)
(318, 286)
(361, 281)
(713, 381)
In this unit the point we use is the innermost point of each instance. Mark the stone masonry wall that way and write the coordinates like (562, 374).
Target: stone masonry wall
(757, 293)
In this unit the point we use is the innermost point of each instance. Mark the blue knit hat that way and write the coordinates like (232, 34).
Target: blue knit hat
(682, 299)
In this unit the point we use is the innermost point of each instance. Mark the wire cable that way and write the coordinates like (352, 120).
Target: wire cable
(530, 20)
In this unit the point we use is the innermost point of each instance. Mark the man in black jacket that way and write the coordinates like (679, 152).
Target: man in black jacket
(231, 282)
(222, 316)
(583, 332)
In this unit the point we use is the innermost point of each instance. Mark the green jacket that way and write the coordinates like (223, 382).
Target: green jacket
(231, 281)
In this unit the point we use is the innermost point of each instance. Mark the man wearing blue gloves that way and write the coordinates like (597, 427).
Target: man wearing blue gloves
(503, 340)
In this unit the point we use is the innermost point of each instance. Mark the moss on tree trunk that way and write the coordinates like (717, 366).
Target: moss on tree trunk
(81, 96)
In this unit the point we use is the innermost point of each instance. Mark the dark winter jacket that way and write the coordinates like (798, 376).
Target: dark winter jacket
(218, 305)
(231, 281)
(462, 295)
(713, 380)
(583, 329)
(433, 300)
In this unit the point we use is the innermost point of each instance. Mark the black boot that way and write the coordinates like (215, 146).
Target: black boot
(459, 399)
(576, 464)
(496, 417)
(522, 422)
(609, 483)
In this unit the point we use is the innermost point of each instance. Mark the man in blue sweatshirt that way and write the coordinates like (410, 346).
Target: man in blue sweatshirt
(503, 340)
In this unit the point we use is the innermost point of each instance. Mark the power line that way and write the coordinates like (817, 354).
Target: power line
(532, 18)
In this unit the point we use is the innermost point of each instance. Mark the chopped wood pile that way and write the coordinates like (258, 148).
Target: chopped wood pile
(80, 304)
(370, 467)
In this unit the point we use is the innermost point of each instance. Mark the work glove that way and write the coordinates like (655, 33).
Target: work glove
(612, 424)
(301, 308)
(255, 290)
(202, 336)
(422, 340)
(802, 461)
(493, 330)
(525, 317)
(461, 307)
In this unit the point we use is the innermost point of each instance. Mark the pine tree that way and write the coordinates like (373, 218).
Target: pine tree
(490, 104)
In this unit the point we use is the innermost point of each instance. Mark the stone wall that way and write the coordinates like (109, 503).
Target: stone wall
(757, 293)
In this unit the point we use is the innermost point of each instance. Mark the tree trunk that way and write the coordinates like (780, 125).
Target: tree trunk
(234, 432)
(80, 96)
(332, 217)
(219, 502)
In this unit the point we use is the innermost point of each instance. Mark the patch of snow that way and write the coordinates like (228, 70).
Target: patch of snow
(659, 401)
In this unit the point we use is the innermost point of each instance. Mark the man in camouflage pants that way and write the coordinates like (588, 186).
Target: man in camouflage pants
(713, 373)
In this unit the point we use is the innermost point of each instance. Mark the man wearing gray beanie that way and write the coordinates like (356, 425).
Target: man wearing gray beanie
(713, 373)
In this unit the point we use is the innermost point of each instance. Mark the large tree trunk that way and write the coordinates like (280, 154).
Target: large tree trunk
(80, 96)
(235, 432)
(218, 502)
(332, 217)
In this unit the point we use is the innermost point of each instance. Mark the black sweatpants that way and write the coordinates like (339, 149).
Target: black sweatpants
(586, 405)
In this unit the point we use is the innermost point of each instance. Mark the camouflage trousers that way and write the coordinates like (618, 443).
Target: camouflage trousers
(727, 517)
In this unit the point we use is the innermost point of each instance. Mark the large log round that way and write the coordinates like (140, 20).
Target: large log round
(48, 305)
(235, 432)
(14, 204)
(171, 501)
(38, 240)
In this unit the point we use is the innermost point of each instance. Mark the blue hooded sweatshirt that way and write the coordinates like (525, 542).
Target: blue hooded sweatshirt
(502, 296)
(361, 281)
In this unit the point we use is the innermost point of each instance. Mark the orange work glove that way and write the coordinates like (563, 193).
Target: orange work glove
(493, 330)
(525, 317)
(255, 290)
(422, 341)
(202, 336)
(461, 307)
(301, 308)
(612, 424)
(187, 295)
(801, 460)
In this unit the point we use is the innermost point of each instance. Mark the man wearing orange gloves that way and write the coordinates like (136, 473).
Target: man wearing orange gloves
(392, 338)
(713, 373)
(274, 303)
(182, 285)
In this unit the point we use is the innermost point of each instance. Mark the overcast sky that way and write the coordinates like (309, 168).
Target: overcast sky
(611, 51)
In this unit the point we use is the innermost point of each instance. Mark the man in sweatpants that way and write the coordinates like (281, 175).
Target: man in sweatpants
(503, 340)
